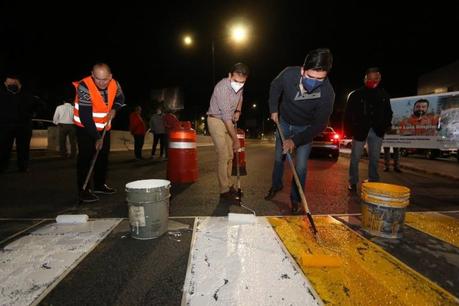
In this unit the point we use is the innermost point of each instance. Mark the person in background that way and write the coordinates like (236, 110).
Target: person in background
(302, 113)
(224, 109)
(137, 128)
(395, 157)
(63, 118)
(99, 97)
(15, 123)
(158, 130)
(367, 116)
(170, 123)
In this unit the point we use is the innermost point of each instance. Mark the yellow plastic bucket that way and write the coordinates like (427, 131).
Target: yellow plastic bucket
(383, 209)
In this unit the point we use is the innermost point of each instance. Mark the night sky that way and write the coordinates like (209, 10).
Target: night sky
(50, 45)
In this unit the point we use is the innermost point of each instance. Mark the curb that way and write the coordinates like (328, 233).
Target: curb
(414, 169)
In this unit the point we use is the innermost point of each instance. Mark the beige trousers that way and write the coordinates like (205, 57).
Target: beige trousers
(224, 148)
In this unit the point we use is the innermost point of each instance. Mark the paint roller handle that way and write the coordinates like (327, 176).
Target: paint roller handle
(99, 144)
(296, 178)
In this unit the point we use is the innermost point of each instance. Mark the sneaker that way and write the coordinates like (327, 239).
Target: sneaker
(272, 192)
(104, 189)
(87, 196)
(296, 208)
(397, 169)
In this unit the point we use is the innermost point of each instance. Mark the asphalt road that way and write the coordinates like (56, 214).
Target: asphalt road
(125, 271)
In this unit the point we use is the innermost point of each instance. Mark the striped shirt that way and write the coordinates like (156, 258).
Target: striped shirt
(224, 100)
(85, 106)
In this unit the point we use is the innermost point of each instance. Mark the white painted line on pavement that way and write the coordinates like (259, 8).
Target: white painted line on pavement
(34, 264)
(242, 265)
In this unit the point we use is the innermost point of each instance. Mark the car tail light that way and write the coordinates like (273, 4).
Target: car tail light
(335, 138)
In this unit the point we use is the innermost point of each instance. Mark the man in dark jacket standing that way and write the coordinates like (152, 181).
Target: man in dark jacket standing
(367, 117)
(15, 123)
(304, 111)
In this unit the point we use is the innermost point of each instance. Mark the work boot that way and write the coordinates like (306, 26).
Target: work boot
(272, 192)
(87, 196)
(104, 189)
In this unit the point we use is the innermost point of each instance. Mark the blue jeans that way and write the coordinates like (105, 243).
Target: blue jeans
(301, 159)
(374, 150)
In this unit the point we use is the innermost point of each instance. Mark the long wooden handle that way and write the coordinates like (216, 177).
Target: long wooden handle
(94, 159)
(295, 175)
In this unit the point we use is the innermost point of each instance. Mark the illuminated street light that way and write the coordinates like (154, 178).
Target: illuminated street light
(187, 40)
(254, 106)
(239, 33)
(202, 118)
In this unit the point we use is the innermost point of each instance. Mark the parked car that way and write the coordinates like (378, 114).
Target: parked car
(327, 142)
(346, 142)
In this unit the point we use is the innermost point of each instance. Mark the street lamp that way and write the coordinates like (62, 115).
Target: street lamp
(238, 33)
(187, 40)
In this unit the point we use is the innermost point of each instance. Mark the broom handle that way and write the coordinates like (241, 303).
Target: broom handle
(237, 164)
(297, 182)
(94, 159)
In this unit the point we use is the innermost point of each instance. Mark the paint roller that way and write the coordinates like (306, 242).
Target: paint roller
(72, 219)
(241, 218)
(298, 185)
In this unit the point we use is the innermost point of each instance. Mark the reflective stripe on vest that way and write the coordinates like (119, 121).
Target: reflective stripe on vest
(100, 110)
(182, 145)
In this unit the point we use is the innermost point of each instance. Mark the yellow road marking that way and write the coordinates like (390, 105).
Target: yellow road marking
(368, 275)
(440, 226)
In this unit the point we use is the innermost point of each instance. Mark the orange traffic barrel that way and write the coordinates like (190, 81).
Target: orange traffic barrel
(241, 153)
(182, 163)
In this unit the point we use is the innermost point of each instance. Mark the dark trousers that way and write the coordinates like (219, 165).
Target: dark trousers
(67, 130)
(86, 151)
(22, 135)
(138, 145)
(162, 139)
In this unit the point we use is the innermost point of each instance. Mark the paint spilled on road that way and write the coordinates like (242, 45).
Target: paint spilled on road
(32, 265)
(368, 274)
(242, 265)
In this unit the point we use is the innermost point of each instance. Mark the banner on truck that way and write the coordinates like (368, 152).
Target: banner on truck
(427, 121)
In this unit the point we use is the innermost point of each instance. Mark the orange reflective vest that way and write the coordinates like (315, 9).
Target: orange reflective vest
(100, 110)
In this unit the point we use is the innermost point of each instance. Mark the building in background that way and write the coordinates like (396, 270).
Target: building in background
(443, 79)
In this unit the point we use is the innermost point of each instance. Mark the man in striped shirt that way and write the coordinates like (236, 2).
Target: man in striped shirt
(99, 96)
(225, 108)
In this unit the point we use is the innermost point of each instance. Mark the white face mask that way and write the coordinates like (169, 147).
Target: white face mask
(236, 86)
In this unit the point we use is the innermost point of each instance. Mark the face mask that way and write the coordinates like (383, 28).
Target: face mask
(310, 84)
(419, 113)
(371, 84)
(236, 86)
(13, 88)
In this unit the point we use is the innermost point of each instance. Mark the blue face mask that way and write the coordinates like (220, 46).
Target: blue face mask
(310, 84)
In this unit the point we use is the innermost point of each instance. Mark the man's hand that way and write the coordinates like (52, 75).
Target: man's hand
(236, 116)
(99, 144)
(288, 146)
(236, 145)
(275, 118)
(112, 114)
